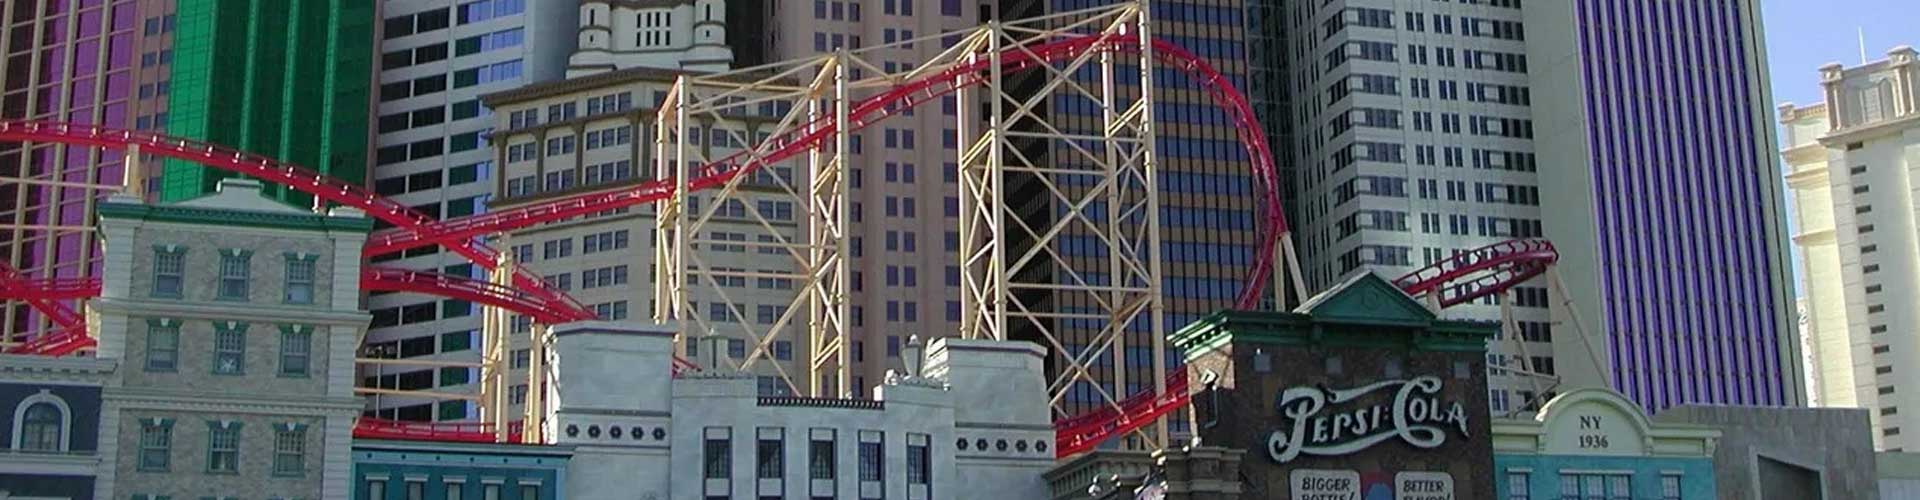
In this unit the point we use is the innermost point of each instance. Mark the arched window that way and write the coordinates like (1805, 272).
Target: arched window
(40, 423)
(40, 430)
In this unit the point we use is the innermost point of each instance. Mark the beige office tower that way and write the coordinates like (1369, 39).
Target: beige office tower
(1849, 162)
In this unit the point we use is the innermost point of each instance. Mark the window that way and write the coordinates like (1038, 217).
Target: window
(768, 456)
(290, 450)
(233, 274)
(820, 455)
(529, 491)
(42, 426)
(718, 454)
(223, 447)
(299, 287)
(163, 345)
(1517, 487)
(1596, 487)
(156, 445)
(169, 264)
(1669, 487)
(229, 348)
(296, 349)
(871, 456)
(919, 460)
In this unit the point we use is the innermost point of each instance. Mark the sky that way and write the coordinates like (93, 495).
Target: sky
(1802, 35)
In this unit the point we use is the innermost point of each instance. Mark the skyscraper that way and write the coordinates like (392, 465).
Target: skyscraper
(1856, 237)
(438, 153)
(1661, 186)
(904, 175)
(1654, 179)
(286, 79)
(283, 79)
(437, 57)
(1412, 141)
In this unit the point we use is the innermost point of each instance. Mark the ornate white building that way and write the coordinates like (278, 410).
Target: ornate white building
(971, 423)
(671, 34)
(1850, 162)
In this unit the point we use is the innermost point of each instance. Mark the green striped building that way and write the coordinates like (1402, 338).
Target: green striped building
(288, 79)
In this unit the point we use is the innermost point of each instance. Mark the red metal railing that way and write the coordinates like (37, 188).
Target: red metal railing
(459, 432)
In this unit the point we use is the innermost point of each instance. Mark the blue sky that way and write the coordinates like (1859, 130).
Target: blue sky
(1804, 34)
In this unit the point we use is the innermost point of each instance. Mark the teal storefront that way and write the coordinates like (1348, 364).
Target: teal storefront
(1595, 444)
(406, 470)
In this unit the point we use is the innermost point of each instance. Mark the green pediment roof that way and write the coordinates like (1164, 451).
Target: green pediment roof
(1363, 311)
(1367, 298)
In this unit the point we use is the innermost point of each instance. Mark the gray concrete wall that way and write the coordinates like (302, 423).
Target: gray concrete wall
(1835, 444)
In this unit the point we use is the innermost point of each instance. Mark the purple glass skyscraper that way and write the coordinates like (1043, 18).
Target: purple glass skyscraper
(80, 62)
(1659, 183)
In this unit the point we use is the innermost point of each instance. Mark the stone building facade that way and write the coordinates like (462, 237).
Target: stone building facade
(968, 419)
(234, 320)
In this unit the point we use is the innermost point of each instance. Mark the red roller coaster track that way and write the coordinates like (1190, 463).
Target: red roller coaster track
(530, 296)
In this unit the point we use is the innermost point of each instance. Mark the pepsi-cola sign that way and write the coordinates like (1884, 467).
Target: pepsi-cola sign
(1316, 420)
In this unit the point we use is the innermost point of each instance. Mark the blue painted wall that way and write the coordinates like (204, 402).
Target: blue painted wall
(514, 465)
(83, 401)
(1696, 481)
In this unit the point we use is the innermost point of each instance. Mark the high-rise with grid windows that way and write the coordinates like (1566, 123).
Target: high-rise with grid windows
(1635, 137)
(1413, 141)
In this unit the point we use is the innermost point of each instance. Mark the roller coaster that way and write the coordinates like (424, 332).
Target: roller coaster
(1056, 46)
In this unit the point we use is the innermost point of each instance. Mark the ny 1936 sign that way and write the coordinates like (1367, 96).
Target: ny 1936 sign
(1313, 423)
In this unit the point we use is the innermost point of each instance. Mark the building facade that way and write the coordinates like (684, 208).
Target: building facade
(439, 153)
(965, 419)
(406, 470)
(597, 132)
(234, 322)
(1855, 236)
(908, 162)
(927, 432)
(1785, 453)
(94, 63)
(437, 57)
(1412, 141)
(50, 412)
(1361, 392)
(289, 80)
(1663, 198)
(1592, 442)
(688, 34)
